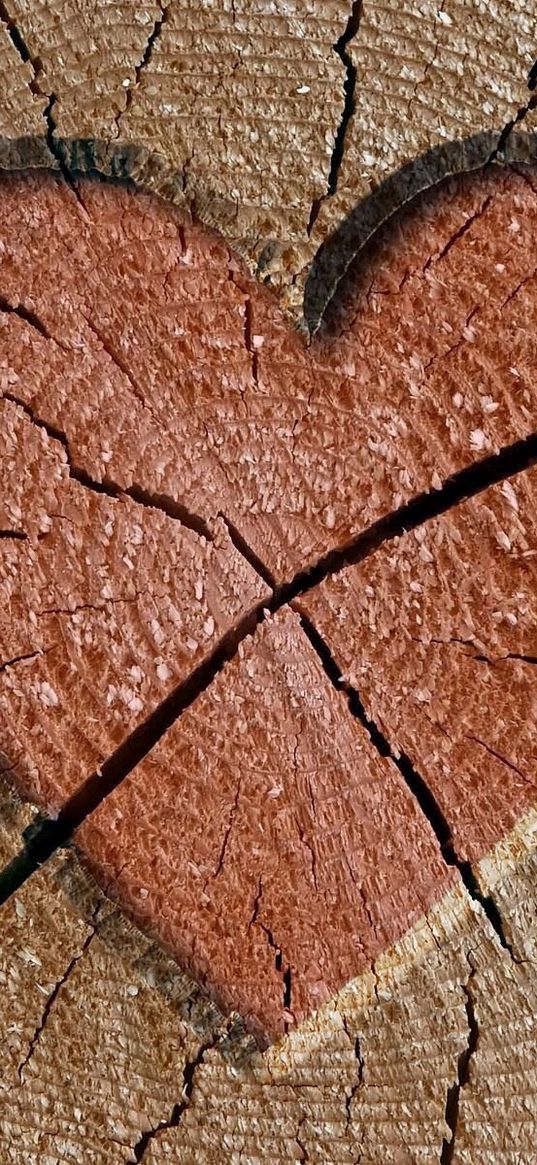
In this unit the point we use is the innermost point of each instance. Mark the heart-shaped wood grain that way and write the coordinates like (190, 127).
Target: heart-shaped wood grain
(165, 433)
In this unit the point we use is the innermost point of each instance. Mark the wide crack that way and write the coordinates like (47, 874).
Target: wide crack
(49, 835)
(467, 483)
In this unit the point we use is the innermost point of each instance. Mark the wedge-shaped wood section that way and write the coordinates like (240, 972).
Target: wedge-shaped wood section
(169, 370)
(437, 632)
(105, 606)
(264, 840)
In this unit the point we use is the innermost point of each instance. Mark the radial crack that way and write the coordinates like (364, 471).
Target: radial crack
(57, 151)
(510, 126)
(142, 497)
(453, 1101)
(304, 1155)
(52, 998)
(36, 88)
(135, 747)
(24, 52)
(50, 835)
(417, 785)
(120, 364)
(144, 61)
(284, 971)
(14, 535)
(502, 759)
(189, 1073)
(229, 827)
(349, 106)
(18, 659)
(29, 317)
(360, 1073)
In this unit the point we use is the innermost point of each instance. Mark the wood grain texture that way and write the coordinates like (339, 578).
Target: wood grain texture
(498, 1111)
(94, 634)
(97, 1026)
(265, 841)
(370, 1074)
(195, 104)
(211, 102)
(195, 387)
(238, 109)
(436, 631)
(21, 109)
(373, 1077)
(436, 84)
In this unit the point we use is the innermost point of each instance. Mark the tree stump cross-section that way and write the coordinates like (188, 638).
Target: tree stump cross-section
(267, 630)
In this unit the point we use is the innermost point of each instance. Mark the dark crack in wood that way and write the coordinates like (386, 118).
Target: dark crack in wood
(143, 497)
(52, 998)
(189, 1074)
(143, 62)
(417, 785)
(453, 1101)
(349, 106)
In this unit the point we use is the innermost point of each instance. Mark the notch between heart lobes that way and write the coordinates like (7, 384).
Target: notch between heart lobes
(149, 382)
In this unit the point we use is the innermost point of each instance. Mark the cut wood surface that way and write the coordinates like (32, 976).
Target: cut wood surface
(196, 390)
(437, 89)
(436, 631)
(101, 1034)
(265, 841)
(271, 120)
(428, 1058)
(97, 1026)
(21, 110)
(267, 631)
(119, 602)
